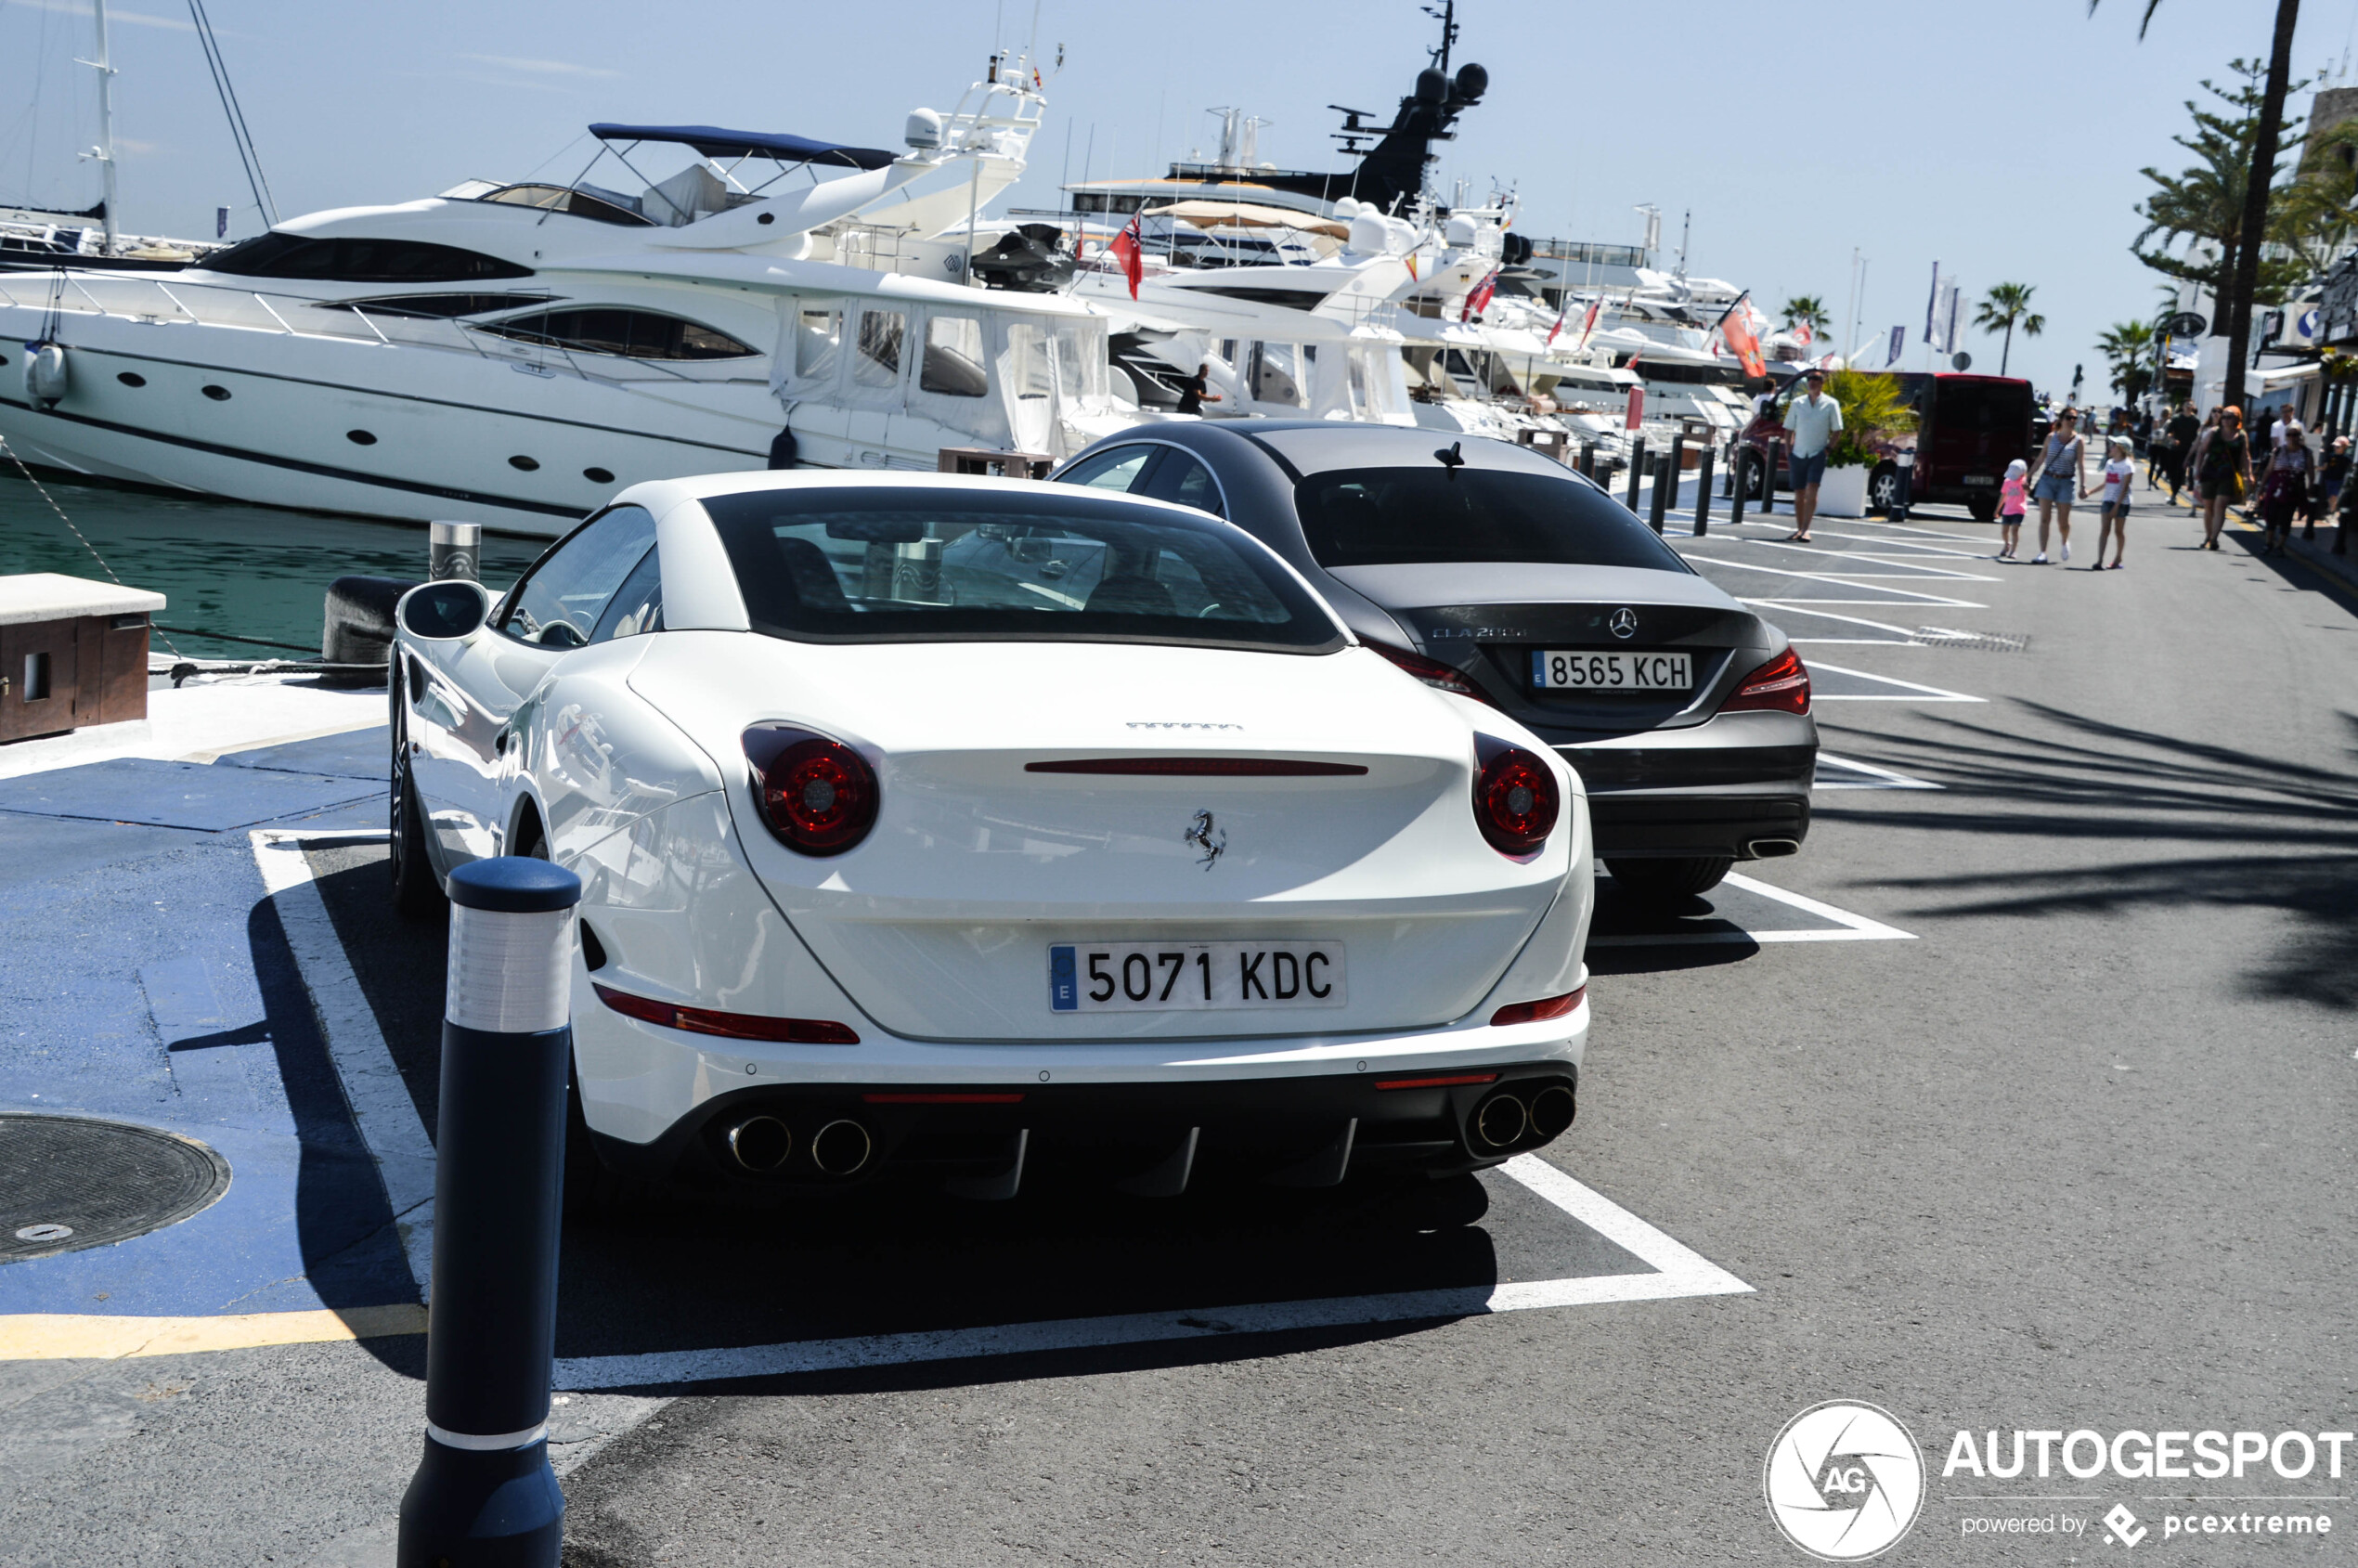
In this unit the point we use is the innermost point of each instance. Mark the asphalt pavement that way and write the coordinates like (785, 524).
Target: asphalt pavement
(2020, 1101)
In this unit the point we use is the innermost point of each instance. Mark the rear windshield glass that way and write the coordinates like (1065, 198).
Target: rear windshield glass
(892, 565)
(1408, 516)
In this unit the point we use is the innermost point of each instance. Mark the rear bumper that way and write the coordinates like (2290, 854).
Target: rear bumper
(1677, 793)
(1155, 1139)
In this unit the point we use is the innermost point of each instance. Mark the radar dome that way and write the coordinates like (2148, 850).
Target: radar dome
(1472, 82)
(923, 131)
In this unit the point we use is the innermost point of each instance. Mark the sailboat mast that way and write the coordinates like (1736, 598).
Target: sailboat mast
(106, 123)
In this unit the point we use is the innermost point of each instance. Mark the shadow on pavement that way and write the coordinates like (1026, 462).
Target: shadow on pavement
(2282, 835)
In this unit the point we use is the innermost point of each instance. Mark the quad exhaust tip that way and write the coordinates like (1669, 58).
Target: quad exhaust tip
(1773, 848)
(761, 1144)
(1499, 1121)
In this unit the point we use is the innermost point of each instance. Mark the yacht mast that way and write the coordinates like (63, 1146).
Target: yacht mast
(104, 152)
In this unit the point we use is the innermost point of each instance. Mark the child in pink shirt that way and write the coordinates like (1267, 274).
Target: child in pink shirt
(2012, 500)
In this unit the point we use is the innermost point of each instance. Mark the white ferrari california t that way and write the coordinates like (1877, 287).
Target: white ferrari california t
(948, 826)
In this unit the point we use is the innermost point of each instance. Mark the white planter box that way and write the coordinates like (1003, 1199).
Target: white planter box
(1843, 493)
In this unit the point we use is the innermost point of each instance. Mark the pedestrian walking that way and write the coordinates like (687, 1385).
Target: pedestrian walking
(2120, 471)
(2333, 477)
(2184, 430)
(2062, 478)
(1812, 423)
(2284, 488)
(2223, 471)
(2013, 498)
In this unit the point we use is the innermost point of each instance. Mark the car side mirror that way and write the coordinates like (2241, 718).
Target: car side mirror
(443, 611)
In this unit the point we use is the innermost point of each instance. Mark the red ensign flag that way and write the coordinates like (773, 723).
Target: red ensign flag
(1129, 250)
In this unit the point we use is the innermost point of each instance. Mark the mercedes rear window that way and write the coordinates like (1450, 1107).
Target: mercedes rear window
(881, 565)
(1411, 517)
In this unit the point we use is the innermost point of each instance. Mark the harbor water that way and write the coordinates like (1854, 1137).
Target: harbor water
(223, 568)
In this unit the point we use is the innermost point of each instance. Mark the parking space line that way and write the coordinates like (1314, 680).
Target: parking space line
(1888, 539)
(1675, 1271)
(1916, 693)
(1903, 634)
(372, 1085)
(1906, 593)
(1878, 560)
(1876, 778)
(1849, 928)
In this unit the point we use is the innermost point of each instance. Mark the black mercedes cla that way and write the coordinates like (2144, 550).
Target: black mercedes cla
(1488, 570)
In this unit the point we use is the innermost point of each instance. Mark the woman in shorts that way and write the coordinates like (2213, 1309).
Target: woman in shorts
(2120, 467)
(2061, 479)
(2224, 472)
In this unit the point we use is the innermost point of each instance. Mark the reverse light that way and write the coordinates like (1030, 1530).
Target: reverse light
(817, 795)
(1782, 685)
(1433, 672)
(729, 1025)
(1536, 1012)
(1515, 802)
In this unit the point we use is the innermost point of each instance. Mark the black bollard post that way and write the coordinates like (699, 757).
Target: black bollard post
(1637, 470)
(485, 1494)
(1743, 458)
(1589, 458)
(1666, 480)
(1902, 485)
(1769, 480)
(1703, 495)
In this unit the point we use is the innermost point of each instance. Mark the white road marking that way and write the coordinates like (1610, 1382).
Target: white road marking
(1916, 693)
(1837, 582)
(1803, 607)
(372, 1085)
(1913, 570)
(1890, 539)
(1850, 928)
(1677, 1272)
(1877, 778)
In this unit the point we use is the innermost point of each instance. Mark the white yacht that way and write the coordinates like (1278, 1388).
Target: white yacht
(514, 353)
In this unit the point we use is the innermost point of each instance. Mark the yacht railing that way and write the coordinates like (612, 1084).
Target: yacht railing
(181, 303)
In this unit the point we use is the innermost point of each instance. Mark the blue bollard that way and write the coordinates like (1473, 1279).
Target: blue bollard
(485, 1494)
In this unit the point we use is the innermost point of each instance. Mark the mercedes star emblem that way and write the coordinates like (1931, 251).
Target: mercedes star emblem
(1623, 622)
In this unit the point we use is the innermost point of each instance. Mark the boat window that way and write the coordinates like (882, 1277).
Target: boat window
(563, 598)
(1080, 371)
(881, 333)
(817, 331)
(636, 334)
(1117, 468)
(444, 305)
(1411, 517)
(1183, 481)
(562, 199)
(952, 364)
(1028, 355)
(636, 606)
(1278, 374)
(354, 259)
(1031, 564)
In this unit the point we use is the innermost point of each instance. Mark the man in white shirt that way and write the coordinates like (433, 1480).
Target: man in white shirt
(1811, 423)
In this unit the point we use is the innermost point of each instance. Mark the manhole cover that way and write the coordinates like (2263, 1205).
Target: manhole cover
(68, 1182)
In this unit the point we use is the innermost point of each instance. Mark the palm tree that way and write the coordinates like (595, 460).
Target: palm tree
(2009, 305)
(2129, 346)
(2205, 204)
(1805, 310)
(2255, 186)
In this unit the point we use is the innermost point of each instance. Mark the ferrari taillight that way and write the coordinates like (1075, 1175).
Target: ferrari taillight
(818, 795)
(1515, 802)
(1782, 685)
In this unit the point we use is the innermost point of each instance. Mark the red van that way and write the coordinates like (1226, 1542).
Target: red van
(1968, 429)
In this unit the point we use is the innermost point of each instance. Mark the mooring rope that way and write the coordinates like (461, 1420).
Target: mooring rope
(77, 533)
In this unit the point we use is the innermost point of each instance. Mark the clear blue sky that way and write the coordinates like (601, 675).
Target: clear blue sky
(2001, 138)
